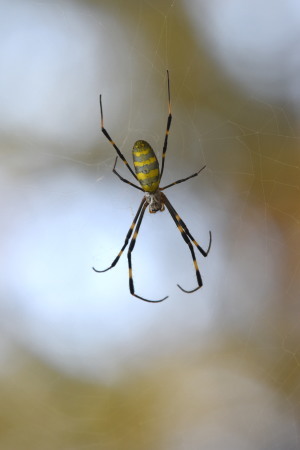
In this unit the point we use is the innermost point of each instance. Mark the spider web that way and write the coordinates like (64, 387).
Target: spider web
(84, 364)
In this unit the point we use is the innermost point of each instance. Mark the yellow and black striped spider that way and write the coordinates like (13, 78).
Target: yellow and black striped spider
(148, 175)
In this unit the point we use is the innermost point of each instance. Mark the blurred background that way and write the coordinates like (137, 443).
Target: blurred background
(85, 365)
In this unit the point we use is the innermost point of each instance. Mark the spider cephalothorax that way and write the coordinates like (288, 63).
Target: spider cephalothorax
(155, 201)
(147, 173)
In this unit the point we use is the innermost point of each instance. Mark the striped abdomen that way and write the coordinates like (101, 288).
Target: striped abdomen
(146, 166)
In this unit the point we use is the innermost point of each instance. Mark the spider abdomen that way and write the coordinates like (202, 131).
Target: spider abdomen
(145, 166)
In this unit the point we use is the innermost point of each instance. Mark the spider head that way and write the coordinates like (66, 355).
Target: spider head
(155, 201)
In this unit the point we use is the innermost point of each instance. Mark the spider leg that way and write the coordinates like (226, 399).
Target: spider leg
(124, 179)
(128, 236)
(186, 238)
(130, 249)
(169, 120)
(112, 142)
(183, 179)
(181, 222)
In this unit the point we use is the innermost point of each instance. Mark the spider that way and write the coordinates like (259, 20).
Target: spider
(147, 173)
